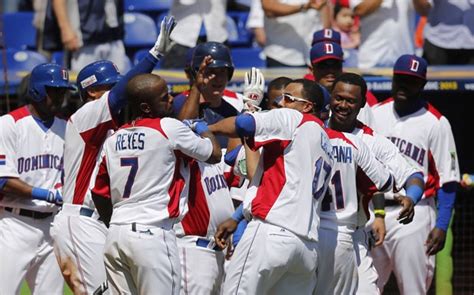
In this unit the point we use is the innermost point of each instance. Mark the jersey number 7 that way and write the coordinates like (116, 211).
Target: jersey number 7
(133, 163)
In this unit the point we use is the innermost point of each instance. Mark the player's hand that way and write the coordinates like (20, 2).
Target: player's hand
(223, 232)
(55, 197)
(254, 87)
(69, 39)
(408, 209)
(378, 228)
(203, 77)
(317, 4)
(435, 241)
(197, 125)
(163, 41)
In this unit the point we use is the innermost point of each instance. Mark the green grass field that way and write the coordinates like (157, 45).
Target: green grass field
(26, 291)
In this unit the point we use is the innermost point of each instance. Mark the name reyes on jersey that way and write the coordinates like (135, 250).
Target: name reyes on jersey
(130, 141)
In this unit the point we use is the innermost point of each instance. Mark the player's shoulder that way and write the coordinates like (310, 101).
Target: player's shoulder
(434, 112)
(233, 98)
(17, 115)
(366, 130)
(92, 107)
(341, 137)
(383, 104)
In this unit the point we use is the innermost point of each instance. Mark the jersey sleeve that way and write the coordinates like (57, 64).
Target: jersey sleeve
(372, 176)
(102, 182)
(399, 166)
(93, 120)
(183, 139)
(443, 152)
(8, 144)
(273, 126)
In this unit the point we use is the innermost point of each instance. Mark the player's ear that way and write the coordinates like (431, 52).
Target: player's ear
(145, 108)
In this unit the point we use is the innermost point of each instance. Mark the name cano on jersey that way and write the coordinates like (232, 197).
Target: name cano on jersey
(130, 141)
(409, 149)
(46, 161)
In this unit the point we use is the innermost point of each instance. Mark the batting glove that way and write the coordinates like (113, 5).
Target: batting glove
(52, 196)
(163, 41)
(254, 87)
(197, 125)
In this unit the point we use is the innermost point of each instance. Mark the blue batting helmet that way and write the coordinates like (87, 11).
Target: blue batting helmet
(102, 72)
(47, 75)
(219, 53)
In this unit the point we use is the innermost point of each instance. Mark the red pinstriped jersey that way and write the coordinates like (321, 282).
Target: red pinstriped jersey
(86, 131)
(31, 153)
(292, 174)
(355, 171)
(209, 201)
(425, 139)
(144, 172)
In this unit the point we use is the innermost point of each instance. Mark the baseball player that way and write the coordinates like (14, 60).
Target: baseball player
(330, 35)
(424, 137)
(214, 102)
(31, 160)
(326, 62)
(346, 101)
(142, 175)
(79, 236)
(209, 203)
(278, 251)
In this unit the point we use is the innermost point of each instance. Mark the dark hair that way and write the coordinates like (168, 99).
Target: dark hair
(312, 92)
(337, 7)
(278, 83)
(353, 79)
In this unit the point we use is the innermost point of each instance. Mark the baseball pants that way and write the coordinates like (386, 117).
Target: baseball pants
(79, 246)
(271, 260)
(142, 259)
(404, 250)
(26, 252)
(202, 268)
(337, 268)
(365, 264)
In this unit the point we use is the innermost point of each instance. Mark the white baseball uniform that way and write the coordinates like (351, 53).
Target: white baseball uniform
(355, 171)
(426, 140)
(32, 153)
(387, 153)
(144, 175)
(209, 204)
(278, 253)
(79, 237)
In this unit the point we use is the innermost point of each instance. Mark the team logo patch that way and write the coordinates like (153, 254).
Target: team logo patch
(88, 81)
(65, 74)
(414, 65)
(329, 48)
(327, 33)
(3, 160)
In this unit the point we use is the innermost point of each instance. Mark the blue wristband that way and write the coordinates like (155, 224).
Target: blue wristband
(239, 213)
(414, 192)
(40, 193)
(239, 232)
(446, 199)
(3, 181)
(201, 127)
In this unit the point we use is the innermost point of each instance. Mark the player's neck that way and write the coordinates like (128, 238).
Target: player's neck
(342, 127)
(45, 117)
(407, 108)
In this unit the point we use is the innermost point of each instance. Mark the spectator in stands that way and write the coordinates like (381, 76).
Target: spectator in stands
(289, 26)
(387, 29)
(89, 30)
(449, 33)
(191, 15)
(344, 23)
(255, 23)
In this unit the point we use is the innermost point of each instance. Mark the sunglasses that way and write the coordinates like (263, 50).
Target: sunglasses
(290, 98)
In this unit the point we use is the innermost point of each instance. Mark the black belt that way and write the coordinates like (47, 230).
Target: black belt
(30, 213)
(391, 203)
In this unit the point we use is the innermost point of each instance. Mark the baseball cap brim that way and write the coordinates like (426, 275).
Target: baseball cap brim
(320, 59)
(110, 80)
(409, 74)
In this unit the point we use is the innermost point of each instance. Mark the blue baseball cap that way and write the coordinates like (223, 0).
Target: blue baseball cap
(412, 65)
(326, 50)
(326, 35)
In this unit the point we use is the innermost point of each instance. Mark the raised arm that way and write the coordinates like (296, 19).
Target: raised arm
(117, 99)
